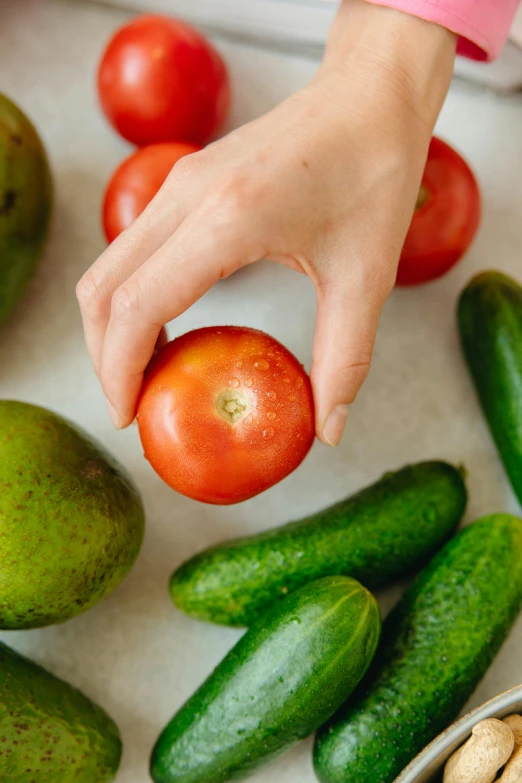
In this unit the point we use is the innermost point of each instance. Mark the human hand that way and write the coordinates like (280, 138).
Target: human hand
(325, 183)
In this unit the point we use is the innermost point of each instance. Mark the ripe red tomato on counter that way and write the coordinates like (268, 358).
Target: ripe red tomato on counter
(445, 220)
(161, 80)
(136, 181)
(225, 413)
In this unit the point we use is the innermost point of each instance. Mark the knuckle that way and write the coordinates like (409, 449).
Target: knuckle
(125, 303)
(235, 196)
(182, 169)
(232, 195)
(185, 169)
(89, 296)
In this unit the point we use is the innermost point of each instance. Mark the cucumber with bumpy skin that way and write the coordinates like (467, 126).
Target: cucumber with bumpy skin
(490, 322)
(285, 676)
(437, 645)
(377, 535)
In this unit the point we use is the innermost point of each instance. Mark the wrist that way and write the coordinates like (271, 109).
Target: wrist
(407, 57)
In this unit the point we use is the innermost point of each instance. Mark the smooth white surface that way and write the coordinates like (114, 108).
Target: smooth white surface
(134, 653)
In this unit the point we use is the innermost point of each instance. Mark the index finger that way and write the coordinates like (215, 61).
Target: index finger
(119, 261)
(176, 276)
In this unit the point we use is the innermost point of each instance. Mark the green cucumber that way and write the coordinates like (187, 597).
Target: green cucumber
(25, 203)
(285, 676)
(490, 323)
(437, 645)
(385, 530)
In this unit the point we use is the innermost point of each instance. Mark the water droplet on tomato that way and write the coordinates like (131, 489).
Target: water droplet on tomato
(234, 383)
(269, 432)
(262, 365)
(239, 364)
(299, 383)
(286, 379)
(292, 398)
(271, 354)
(248, 382)
(271, 395)
(249, 419)
(270, 415)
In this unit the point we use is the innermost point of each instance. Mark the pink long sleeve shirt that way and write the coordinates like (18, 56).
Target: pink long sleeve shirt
(482, 25)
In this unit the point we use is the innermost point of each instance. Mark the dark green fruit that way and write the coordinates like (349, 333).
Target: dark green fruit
(284, 677)
(25, 203)
(71, 520)
(490, 322)
(437, 645)
(387, 529)
(49, 731)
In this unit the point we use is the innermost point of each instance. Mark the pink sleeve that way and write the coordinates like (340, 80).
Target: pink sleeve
(483, 25)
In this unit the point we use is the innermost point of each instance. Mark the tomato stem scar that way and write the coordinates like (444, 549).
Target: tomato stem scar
(231, 405)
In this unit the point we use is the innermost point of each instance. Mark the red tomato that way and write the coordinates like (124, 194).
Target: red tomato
(160, 80)
(225, 413)
(445, 220)
(136, 181)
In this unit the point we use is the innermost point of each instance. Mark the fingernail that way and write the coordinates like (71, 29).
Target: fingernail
(115, 416)
(334, 425)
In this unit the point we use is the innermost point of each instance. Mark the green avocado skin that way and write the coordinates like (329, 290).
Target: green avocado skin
(285, 676)
(490, 323)
(437, 645)
(25, 203)
(49, 731)
(71, 521)
(387, 529)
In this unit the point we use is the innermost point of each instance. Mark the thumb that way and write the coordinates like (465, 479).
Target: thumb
(346, 326)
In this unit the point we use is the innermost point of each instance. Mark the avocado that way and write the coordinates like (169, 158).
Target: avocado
(49, 731)
(71, 520)
(25, 203)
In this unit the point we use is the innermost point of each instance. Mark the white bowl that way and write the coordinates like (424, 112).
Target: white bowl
(428, 765)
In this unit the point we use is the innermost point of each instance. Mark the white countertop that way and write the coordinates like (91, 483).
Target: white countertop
(134, 653)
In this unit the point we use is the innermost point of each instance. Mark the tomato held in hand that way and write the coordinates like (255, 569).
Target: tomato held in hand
(445, 220)
(225, 413)
(136, 181)
(160, 80)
